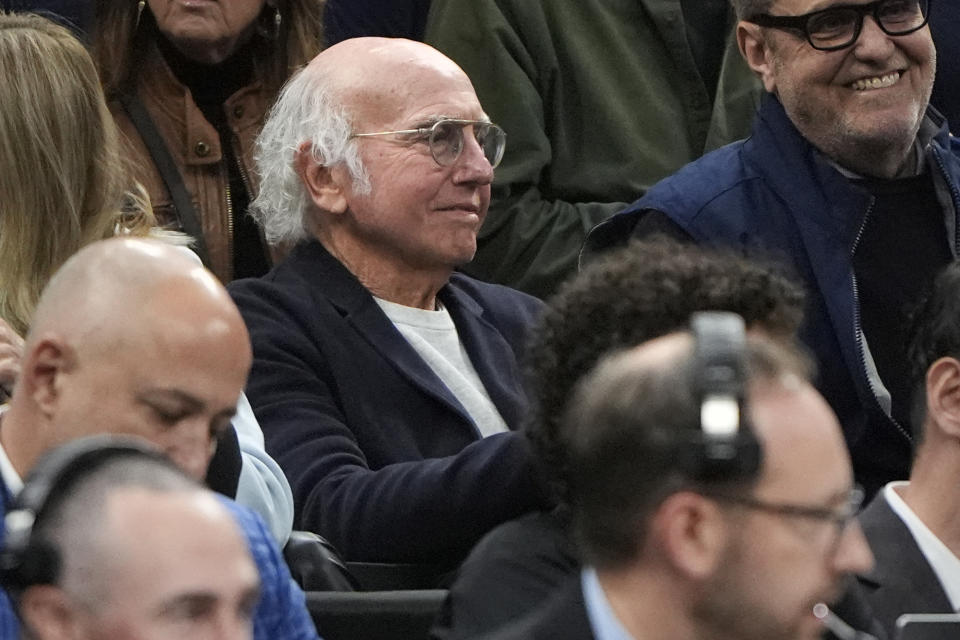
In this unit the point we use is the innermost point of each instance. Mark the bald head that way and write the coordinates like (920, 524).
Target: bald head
(113, 289)
(130, 337)
(376, 73)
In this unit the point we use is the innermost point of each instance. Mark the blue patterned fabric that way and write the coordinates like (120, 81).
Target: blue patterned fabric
(9, 625)
(282, 612)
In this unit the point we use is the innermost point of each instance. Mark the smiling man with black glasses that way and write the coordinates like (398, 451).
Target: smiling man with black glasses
(849, 178)
(386, 383)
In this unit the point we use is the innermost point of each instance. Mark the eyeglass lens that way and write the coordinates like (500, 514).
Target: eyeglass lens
(843, 521)
(839, 27)
(446, 141)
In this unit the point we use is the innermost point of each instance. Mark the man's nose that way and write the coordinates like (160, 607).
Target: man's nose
(874, 42)
(853, 553)
(191, 450)
(472, 165)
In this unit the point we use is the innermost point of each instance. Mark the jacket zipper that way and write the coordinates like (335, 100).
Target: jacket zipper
(237, 154)
(246, 185)
(229, 221)
(858, 330)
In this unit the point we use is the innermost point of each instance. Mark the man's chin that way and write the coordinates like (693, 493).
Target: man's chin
(882, 131)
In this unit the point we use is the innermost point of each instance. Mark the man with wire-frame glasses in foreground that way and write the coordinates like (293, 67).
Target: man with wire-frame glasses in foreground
(712, 497)
(387, 385)
(912, 526)
(850, 179)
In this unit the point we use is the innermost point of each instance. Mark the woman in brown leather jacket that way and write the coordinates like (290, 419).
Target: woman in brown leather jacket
(189, 83)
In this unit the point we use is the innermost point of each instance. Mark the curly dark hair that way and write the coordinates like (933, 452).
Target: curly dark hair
(644, 290)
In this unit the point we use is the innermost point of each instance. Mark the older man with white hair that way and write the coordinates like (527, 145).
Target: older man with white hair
(387, 385)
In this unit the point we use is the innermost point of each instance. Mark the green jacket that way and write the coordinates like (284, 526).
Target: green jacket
(600, 99)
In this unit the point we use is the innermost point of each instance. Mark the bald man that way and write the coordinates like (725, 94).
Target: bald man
(240, 467)
(386, 383)
(135, 337)
(144, 552)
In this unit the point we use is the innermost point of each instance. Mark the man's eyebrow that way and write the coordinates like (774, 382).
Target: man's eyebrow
(425, 122)
(827, 4)
(190, 402)
(839, 497)
(194, 600)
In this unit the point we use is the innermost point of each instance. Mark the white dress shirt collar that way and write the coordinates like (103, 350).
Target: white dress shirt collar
(944, 563)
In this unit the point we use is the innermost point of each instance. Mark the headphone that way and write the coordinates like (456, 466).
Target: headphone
(27, 559)
(726, 447)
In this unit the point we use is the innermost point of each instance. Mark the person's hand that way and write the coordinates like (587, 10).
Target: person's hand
(11, 350)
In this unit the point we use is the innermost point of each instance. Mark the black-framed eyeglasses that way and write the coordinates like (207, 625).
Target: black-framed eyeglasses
(840, 517)
(839, 27)
(445, 139)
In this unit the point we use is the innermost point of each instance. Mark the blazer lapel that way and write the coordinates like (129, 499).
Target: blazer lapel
(900, 564)
(491, 355)
(333, 281)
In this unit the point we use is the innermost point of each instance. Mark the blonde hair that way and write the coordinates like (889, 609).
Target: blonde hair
(122, 36)
(62, 182)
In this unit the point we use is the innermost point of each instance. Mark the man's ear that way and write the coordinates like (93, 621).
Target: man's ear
(756, 50)
(47, 613)
(943, 396)
(321, 182)
(691, 534)
(43, 369)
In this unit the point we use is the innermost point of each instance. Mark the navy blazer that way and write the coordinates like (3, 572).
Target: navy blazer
(902, 580)
(382, 458)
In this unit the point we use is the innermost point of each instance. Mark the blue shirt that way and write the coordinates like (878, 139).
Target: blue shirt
(282, 612)
(603, 621)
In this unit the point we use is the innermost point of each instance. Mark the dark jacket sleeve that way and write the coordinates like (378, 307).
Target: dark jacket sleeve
(223, 474)
(357, 445)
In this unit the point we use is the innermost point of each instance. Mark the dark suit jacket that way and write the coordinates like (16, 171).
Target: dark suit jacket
(512, 571)
(561, 617)
(382, 459)
(902, 580)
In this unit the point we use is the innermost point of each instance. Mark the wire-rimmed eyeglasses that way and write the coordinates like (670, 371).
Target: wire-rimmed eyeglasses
(839, 27)
(445, 139)
(840, 517)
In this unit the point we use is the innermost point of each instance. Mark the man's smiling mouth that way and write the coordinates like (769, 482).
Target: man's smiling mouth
(876, 82)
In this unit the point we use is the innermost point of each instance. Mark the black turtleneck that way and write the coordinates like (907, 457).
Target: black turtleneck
(211, 85)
